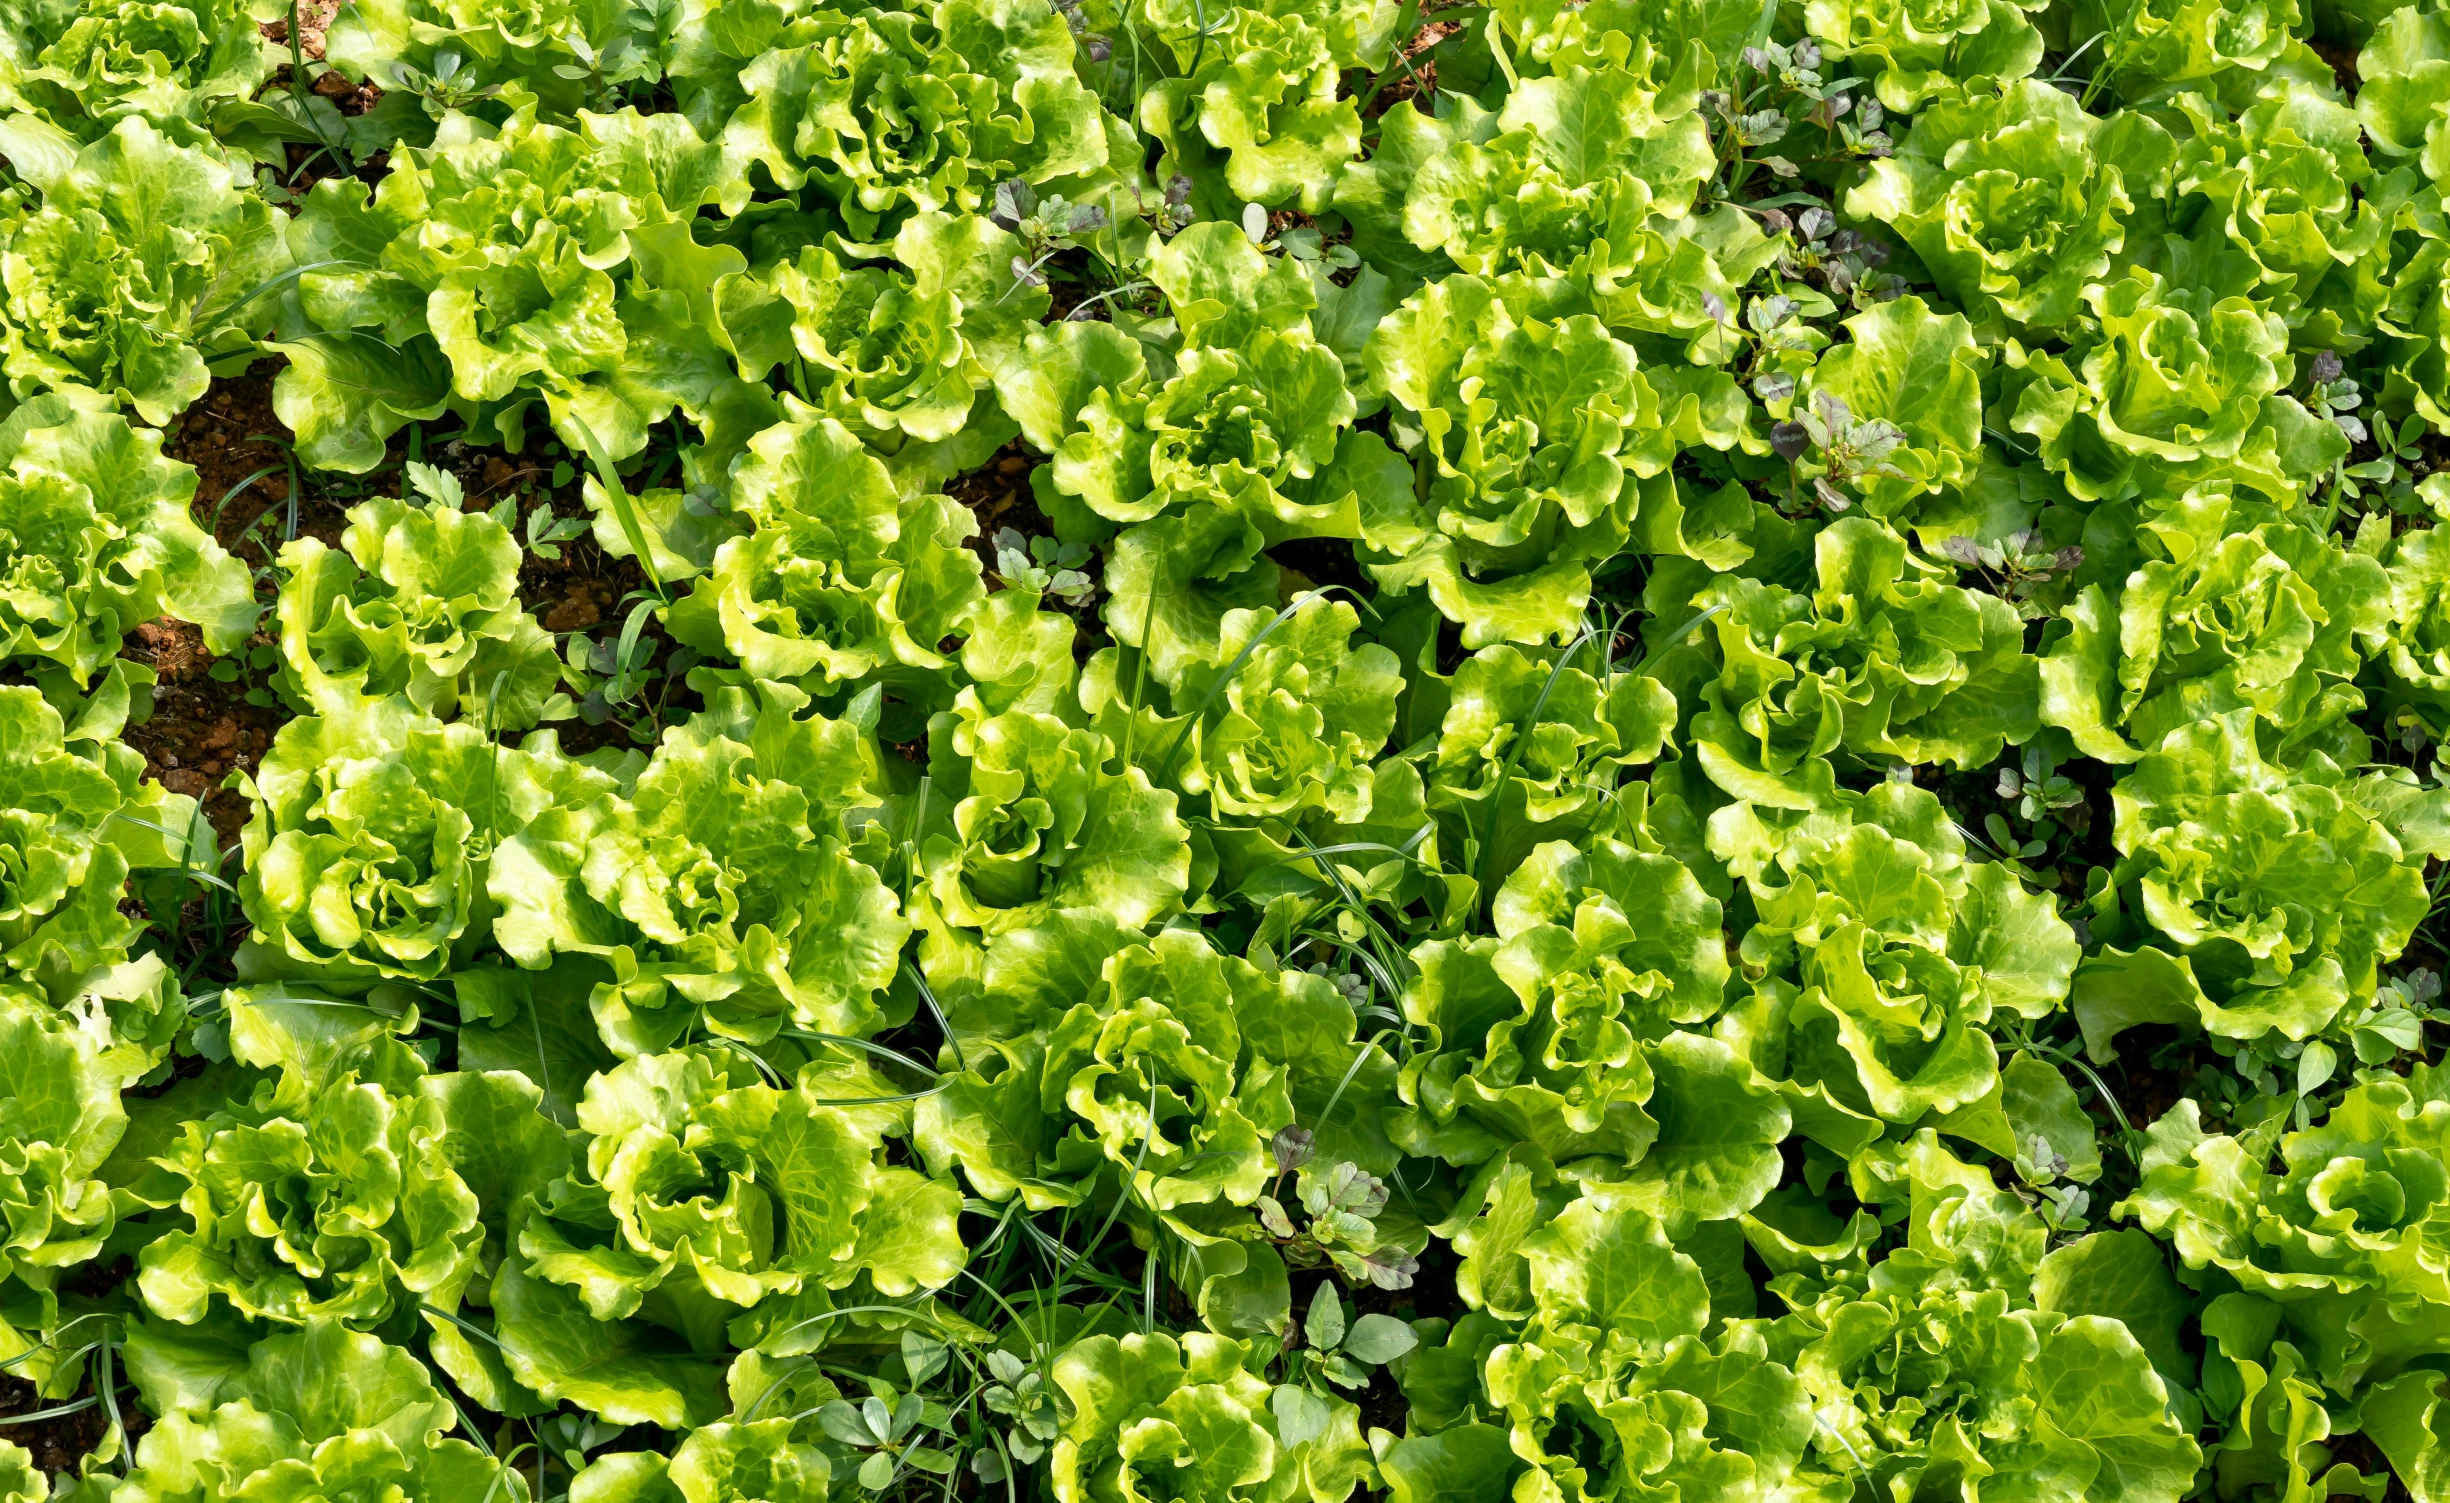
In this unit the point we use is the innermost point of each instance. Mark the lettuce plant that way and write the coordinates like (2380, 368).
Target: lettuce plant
(1253, 101)
(24, 1482)
(420, 601)
(1289, 723)
(61, 1119)
(372, 829)
(1719, 1419)
(1149, 1407)
(2018, 202)
(1532, 748)
(1233, 437)
(2342, 1207)
(74, 821)
(2249, 899)
(894, 112)
(1175, 1022)
(320, 1411)
(1254, 418)
(1917, 53)
(718, 885)
(2172, 46)
(2232, 607)
(699, 1182)
(329, 1196)
(724, 1460)
(2182, 386)
(1576, 1031)
(515, 302)
(84, 65)
(1297, 725)
(901, 358)
(2414, 329)
(134, 266)
(2404, 87)
(1582, 154)
(95, 539)
(1527, 433)
(2418, 634)
(1885, 658)
(558, 56)
(2280, 182)
(1026, 817)
(1992, 1382)
(839, 581)
(1163, 1064)
(1883, 952)
(1893, 414)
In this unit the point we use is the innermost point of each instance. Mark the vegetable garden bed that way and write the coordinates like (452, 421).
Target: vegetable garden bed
(1657, 749)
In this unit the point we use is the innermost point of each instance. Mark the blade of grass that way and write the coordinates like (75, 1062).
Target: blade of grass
(624, 511)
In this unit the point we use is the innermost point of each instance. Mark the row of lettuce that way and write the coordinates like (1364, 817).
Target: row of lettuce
(1730, 428)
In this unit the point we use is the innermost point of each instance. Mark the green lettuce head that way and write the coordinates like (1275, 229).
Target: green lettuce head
(320, 1412)
(59, 1120)
(2414, 329)
(2231, 608)
(373, 826)
(2179, 387)
(1529, 433)
(1884, 659)
(2403, 93)
(2251, 897)
(2282, 183)
(131, 269)
(332, 1195)
(840, 581)
(1254, 419)
(1025, 817)
(2418, 633)
(701, 1182)
(1292, 718)
(2344, 1208)
(421, 601)
(1883, 954)
(2169, 47)
(1170, 1033)
(96, 540)
(1607, 1388)
(1894, 415)
(70, 831)
(557, 56)
(1917, 52)
(900, 357)
(1533, 748)
(1299, 725)
(717, 1463)
(1092, 1054)
(1937, 1366)
(891, 113)
(1590, 167)
(719, 887)
(2018, 201)
(500, 269)
(1156, 1417)
(1255, 113)
(83, 65)
(1580, 156)
(2402, 103)
(1575, 1031)
(1558, 34)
